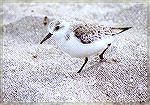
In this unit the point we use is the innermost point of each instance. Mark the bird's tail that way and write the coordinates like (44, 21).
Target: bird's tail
(119, 30)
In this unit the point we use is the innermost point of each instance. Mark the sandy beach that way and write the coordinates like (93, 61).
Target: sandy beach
(44, 73)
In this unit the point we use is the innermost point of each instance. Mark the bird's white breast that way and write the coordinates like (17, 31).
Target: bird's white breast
(75, 48)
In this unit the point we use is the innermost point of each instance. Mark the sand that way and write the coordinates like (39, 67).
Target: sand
(43, 73)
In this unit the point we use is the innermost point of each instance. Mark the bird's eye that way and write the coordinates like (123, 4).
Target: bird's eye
(57, 28)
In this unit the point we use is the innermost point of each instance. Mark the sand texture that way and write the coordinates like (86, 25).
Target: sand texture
(43, 73)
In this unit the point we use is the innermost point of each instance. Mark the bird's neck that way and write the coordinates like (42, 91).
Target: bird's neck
(60, 41)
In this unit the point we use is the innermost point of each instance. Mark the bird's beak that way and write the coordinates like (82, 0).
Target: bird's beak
(46, 37)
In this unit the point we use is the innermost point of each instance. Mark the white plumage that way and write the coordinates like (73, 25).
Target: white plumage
(81, 39)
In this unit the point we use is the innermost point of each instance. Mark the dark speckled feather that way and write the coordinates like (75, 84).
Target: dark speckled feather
(88, 33)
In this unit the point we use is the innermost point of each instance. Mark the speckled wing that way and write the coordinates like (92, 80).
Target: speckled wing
(89, 33)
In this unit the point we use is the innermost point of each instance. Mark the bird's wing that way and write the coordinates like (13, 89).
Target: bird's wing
(89, 33)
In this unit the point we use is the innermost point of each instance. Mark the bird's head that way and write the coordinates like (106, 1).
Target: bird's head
(57, 29)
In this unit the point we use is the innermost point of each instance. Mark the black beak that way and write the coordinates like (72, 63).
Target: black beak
(47, 37)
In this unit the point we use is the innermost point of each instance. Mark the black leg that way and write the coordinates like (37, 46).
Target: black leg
(86, 59)
(101, 55)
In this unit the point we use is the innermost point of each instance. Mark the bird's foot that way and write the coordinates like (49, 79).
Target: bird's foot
(79, 71)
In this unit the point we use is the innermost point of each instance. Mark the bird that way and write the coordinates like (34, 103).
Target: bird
(82, 39)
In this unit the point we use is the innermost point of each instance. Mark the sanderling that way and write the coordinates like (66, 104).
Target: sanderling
(82, 39)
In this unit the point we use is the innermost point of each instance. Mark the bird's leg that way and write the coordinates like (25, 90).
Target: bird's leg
(101, 55)
(86, 59)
